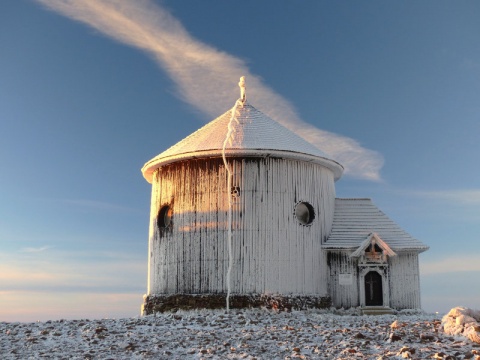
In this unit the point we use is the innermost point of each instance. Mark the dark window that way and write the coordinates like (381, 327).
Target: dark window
(304, 213)
(164, 219)
(374, 248)
(235, 191)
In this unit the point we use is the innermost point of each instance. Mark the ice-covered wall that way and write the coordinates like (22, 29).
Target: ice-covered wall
(343, 279)
(404, 281)
(400, 273)
(272, 251)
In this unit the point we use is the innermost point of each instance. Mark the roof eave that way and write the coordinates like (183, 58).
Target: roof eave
(418, 249)
(157, 162)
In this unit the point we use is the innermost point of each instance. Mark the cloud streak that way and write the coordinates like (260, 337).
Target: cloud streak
(35, 249)
(465, 196)
(18, 305)
(452, 264)
(205, 77)
(68, 271)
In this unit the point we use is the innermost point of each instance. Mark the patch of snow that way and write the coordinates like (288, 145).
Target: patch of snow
(238, 334)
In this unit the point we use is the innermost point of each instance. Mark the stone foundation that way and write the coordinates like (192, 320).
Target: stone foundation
(161, 303)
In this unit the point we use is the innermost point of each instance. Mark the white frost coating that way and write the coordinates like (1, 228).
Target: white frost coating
(401, 277)
(272, 252)
(228, 139)
(66, 339)
(257, 135)
(354, 219)
(463, 321)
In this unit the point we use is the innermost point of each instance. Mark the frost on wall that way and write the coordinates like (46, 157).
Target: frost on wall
(341, 265)
(404, 281)
(272, 251)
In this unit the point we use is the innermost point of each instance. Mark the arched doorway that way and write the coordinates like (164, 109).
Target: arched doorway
(373, 289)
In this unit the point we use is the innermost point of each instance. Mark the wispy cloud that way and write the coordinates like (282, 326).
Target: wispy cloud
(455, 263)
(18, 305)
(65, 284)
(206, 77)
(69, 271)
(35, 249)
(465, 197)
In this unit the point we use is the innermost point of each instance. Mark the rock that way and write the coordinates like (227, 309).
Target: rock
(427, 337)
(394, 337)
(130, 347)
(462, 321)
(100, 329)
(407, 349)
(457, 311)
(473, 333)
(31, 339)
(465, 319)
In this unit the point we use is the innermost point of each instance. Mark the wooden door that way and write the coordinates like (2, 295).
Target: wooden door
(373, 289)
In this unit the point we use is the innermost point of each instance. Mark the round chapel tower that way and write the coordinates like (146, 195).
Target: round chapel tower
(239, 212)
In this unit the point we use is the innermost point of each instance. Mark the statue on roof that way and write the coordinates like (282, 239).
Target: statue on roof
(242, 84)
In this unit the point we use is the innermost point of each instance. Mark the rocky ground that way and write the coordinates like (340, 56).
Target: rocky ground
(240, 334)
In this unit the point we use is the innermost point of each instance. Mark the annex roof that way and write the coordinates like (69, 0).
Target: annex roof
(355, 220)
(255, 134)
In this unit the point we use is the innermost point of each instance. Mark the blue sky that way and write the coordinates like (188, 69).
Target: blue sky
(392, 88)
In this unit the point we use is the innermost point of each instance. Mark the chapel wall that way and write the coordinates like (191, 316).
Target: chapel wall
(272, 251)
(343, 279)
(404, 281)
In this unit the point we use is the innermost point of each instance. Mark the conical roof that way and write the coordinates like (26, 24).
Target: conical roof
(254, 134)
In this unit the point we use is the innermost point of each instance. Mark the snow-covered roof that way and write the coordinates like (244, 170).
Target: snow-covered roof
(355, 219)
(255, 134)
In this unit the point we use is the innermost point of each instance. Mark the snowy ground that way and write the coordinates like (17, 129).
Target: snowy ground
(240, 334)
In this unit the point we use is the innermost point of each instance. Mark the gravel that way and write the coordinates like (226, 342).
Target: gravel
(239, 334)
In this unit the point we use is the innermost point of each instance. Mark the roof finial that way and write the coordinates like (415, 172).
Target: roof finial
(241, 83)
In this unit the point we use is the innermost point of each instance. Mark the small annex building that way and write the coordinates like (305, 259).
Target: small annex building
(244, 213)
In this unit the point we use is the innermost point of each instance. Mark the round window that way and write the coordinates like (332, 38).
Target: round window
(164, 218)
(304, 213)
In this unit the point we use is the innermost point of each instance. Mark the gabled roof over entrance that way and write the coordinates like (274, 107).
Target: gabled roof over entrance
(355, 219)
(255, 134)
(373, 238)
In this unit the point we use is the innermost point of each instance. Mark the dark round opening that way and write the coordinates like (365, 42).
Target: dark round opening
(304, 213)
(164, 218)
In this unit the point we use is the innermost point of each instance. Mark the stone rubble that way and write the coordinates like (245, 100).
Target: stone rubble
(463, 321)
(240, 334)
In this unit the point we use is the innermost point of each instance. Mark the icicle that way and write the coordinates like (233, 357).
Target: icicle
(228, 139)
